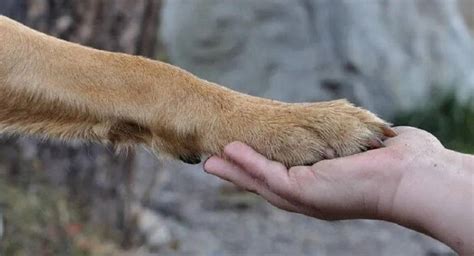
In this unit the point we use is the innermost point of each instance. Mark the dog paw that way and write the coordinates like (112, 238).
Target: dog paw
(303, 134)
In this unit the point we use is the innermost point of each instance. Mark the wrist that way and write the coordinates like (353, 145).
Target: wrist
(434, 195)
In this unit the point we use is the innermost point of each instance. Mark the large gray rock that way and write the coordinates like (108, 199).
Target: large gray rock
(383, 55)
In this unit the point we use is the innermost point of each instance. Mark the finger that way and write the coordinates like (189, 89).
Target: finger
(405, 133)
(233, 173)
(230, 172)
(405, 129)
(350, 166)
(413, 137)
(402, 135)
(274, 174)
(280, 202)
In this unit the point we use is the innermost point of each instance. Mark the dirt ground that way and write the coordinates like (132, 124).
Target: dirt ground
(205, 219)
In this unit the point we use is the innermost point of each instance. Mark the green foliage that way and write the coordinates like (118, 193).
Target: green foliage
(450, 121)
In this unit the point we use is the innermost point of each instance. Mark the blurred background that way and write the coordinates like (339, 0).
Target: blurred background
(410, 61)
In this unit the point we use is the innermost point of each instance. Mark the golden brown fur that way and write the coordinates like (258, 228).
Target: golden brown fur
(53, 88)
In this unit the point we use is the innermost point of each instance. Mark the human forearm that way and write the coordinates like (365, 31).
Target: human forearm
(413, 181)
(436, 197)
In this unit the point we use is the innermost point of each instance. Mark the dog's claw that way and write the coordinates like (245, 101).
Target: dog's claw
(190, 159)
(329, 153)
(388, 132)
(376, 143)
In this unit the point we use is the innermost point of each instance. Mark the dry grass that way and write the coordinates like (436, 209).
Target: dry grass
(40, 220)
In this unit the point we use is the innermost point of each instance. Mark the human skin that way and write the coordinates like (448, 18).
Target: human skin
(413, 181)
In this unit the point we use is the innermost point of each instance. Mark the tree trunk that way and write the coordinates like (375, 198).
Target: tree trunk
(94, 175)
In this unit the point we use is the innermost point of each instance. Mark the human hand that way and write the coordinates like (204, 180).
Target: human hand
(404, 182)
